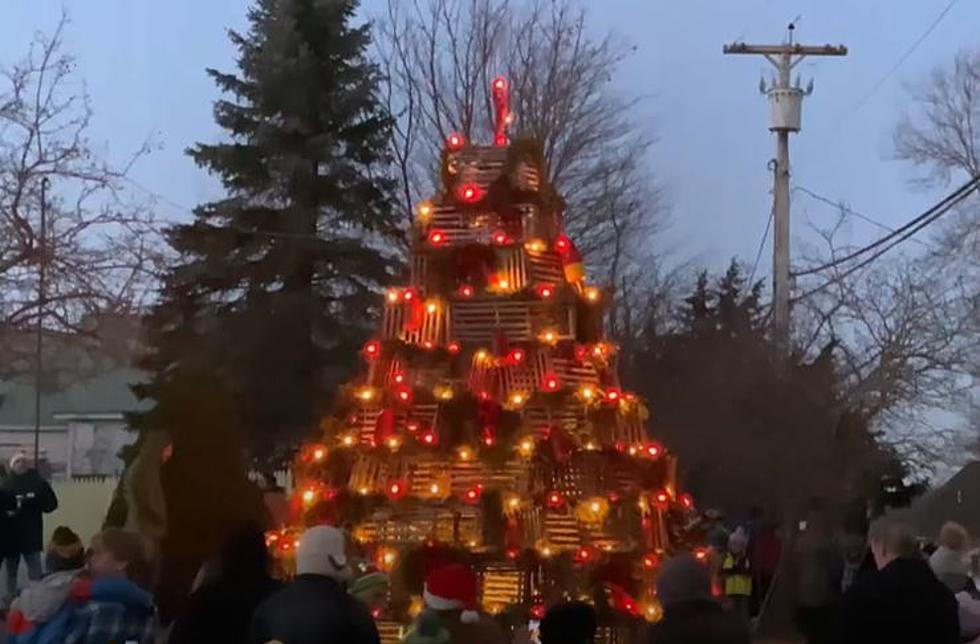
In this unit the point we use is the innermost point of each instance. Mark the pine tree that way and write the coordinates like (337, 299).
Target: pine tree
(276, 282)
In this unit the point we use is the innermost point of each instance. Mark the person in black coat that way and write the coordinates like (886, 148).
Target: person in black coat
(903, 602)
(221, 610)
(690, 613)
(316, 608)
(32, 497)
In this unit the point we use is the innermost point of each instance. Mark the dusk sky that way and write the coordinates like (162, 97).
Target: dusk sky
(143, 63)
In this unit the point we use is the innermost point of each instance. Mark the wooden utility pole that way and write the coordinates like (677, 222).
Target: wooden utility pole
(785, 103)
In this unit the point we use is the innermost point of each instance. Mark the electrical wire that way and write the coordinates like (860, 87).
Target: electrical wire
(916, 224)
(838, 278)
(762, 244)
(901, 60)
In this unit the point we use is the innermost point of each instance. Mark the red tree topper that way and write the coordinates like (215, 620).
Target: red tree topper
(501, 108)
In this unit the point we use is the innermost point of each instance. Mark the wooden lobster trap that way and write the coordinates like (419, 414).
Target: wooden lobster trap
(412, 322)
(519, 321)
(570, 418)
(479, 165)
(502, 584)
(363, 422)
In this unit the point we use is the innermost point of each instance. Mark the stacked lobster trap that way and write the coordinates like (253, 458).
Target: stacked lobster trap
(489, 423)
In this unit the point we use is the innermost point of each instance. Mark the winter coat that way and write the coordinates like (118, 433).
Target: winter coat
(819, 569)
(33, 497)
(313, 609)
(91, 612)
(903, 603)
(969, 612)
(952, 569)
(699, 621)
(221, 611)
(484, 631)
(41, 599)
(8, 534)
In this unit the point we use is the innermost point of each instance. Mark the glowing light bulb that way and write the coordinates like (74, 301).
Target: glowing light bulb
(500, 83)
(545, 291)
(348, 440)
(453, 348)
(516, 356)
(536, 245)
(408, 295)
(503, 283)
(308, 496)
(431, 307)
(517, 399)
(437, 238)
(500, 238)
(398, 378)
(429, 438)
(526, 447)
(613, 395)
(592, 294)
(424, 211)
(465, 453)
(455, 141)
(434, 488)
(466, 290)
(393, 296)
(562, 244)
(366, 394)
(549, 336)
(319, 454)
(551, 383)
(587, 392)
(514, 502)
(595, 506)
(393, 442)
(481, 356)
(372, 349)
(591, 446)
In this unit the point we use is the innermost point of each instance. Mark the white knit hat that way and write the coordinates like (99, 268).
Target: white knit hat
(322, 551)
(19, 456)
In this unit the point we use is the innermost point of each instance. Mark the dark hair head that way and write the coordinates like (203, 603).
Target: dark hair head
(682, 579)
(244, 555)
(569, 623)
(128, 547)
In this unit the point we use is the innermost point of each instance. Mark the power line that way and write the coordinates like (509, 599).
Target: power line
(762, 244)
(851, 212)
(838, 278)
(905, 56)
(914, 225)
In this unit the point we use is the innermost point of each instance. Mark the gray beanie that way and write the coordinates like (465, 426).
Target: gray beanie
(682, 579)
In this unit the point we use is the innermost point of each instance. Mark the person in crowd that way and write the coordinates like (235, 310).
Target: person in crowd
(371, 588)
(691, 613)
(765, 552)
(109, 603)
(316, 607)
(427, 629)
(736, 574)
(569, 623)
(950, 561)
(221, 609)
(717, 551)
(32, 498)
(8, 537)
(818, 579)
(41, 600)
(903, 602)
(451, 591)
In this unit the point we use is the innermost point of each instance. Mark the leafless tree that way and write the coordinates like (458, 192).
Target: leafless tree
(440, 57)
(99, 248)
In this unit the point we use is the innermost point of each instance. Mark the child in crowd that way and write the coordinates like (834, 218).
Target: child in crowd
(107, 604)
(736, 574)
(42, 599)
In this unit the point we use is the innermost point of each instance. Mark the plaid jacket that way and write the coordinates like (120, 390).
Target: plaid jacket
(112, 623)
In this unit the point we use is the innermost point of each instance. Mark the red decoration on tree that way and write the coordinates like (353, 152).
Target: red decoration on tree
(584, 555)
(687, 501)
(661, 498)
(472, 495)
(500, 238)
(545, 291)
(453, 348)
(551, 382)
(613, 395)
(455, 142)
(466, 290)
(652, 450)
(403, 394)
(650, 560)
(513, 552)
(501, 107)
(437, 237)
(372, 349)
(556, 499)
(515, 356)
(384, 427)
(562, 244)
(620, 600)
(537, 611)
(470, 193)
(396, 490)
(429, 438)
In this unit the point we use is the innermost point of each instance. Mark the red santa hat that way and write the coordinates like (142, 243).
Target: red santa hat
(452, 587)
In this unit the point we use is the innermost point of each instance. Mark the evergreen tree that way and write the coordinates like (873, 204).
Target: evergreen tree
(276, 286)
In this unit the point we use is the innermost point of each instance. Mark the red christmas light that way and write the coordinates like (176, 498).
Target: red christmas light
(701, 554)
(453, 347)
(662, 498)
(583, 555)
(376, 613)
(396, 490)
(650, 560)
(555, 499)
(428, 344)
(429, 438)
(466, 290)
(409, 294)
(372, 349)
(513, 552)
(484, 395)
(500, 140)
(516, 356)
(551, 383)
(652, 450)
(581, 351)
(545, 291)
(404, 394)
(613, 395)
(489, 440)
(500, 238)
(436, 238)
(562, 244)
(398, 378)
(500, 83)
(455, 141)
(470, 192)
(472, 495)
(537, 611)
(687, 501)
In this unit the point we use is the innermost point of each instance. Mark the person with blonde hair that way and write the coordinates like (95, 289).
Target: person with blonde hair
(950, 561)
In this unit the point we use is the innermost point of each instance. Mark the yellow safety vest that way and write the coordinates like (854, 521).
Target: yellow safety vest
(736, 583)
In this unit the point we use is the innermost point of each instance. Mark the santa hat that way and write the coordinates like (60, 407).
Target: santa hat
(452, 587)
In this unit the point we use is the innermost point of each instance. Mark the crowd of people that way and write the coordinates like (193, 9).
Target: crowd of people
(848, 589)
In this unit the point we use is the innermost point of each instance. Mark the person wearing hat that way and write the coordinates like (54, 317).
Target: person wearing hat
(691, 614)
(736, 574)
(32, 497)
(451, 592)
(316, 607)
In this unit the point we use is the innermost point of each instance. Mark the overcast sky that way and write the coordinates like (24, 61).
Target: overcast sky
(143, 62)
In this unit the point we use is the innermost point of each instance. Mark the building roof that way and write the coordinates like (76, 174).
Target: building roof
(104, 393)
(958, 500)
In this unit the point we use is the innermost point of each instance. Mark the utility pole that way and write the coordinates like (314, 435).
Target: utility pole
(785, 111)
(42, 260)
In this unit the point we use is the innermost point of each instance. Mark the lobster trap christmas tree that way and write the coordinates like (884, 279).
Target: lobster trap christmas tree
(489, 424)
